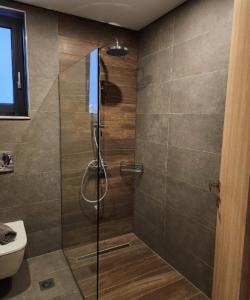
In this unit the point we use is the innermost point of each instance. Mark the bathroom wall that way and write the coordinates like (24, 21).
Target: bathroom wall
(32, 192)
(182, 76)
(77, 37)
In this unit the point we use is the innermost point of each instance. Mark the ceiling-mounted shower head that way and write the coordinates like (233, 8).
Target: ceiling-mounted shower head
(117, 50)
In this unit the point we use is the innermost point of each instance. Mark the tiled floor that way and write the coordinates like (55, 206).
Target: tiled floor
(133, 272)
(25, 285)
(129, 273)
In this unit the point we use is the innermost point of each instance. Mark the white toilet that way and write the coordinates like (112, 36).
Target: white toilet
(11, 255)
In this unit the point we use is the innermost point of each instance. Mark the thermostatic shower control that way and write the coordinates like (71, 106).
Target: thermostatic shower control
(6, 162)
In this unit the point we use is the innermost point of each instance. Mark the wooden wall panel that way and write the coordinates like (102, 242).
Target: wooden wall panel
(77, 37)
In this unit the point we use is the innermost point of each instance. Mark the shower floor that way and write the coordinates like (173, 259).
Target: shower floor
(130, 272)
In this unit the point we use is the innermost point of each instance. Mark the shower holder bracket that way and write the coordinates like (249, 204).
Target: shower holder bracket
(131, 168)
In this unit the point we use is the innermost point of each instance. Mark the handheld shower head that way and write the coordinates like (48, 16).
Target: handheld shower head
(117, 50)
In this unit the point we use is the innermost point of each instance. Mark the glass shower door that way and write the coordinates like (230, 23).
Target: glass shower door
(79, 112)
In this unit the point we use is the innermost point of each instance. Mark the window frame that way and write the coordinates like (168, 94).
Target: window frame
(15, 20)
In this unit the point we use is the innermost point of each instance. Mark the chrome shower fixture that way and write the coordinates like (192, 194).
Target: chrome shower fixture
(117, 50)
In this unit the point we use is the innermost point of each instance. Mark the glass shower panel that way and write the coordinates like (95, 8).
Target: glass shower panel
(79, 106)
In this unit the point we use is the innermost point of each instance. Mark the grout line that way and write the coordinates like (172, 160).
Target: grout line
(30, 204)
(178, 147)
(189, 76)
(176, 44)
(154, 53)
(196, 150)
(223, 24)
(169, 114)
(173, 209)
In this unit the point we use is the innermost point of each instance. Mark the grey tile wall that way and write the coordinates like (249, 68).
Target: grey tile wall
(182, 78)
(32, 192)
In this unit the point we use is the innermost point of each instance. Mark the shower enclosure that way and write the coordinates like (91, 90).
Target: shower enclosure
(141, 133)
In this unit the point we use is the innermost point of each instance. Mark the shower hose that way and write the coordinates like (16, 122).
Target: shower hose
(94, 164)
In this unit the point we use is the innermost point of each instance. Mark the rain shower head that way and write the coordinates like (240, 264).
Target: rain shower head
(117, 50)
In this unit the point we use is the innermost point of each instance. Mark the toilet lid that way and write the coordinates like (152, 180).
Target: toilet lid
(20, 241)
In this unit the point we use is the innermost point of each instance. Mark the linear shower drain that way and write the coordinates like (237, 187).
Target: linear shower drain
(47, 284)
(103, 251)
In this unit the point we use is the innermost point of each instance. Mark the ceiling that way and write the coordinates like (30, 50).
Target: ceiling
(133, 14)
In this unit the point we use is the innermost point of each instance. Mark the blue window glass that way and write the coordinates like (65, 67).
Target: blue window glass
(6, 80)
(93, 82)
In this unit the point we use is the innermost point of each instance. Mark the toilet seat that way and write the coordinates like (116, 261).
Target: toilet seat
(20, 241)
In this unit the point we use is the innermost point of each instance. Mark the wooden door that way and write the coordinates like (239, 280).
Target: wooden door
(231, 275)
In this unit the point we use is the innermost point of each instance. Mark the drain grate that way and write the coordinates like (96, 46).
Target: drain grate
(47, 284)
(111, 249)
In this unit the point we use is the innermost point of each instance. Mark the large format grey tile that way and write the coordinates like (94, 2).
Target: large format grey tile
(154, 160)
(43, 94)
(25, 284)
(72, 296)
(39, 216)
(151, 183)
(156, 67)
(199, 273)
(200, 132)
(42, 26)
(154, 98)
(157, 35)
(202, 94)
(43, 129)
(149, 208)
(150, 234)
(203, 54)
(29, 189)
(32, 158)
(193, 167)
(43, 63)
(197, 204)
(42, 30)
(197, 17)
(188, 234)
(152, 128)
(39, 150)
(46, 263)
(41, 242)
(12, 131)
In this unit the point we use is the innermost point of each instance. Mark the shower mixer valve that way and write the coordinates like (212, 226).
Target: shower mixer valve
(6, 162)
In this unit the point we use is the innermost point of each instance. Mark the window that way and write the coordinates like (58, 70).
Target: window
(13, 78)
(93, 81)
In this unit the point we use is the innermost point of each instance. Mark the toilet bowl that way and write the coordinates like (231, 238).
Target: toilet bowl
(11, 255)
